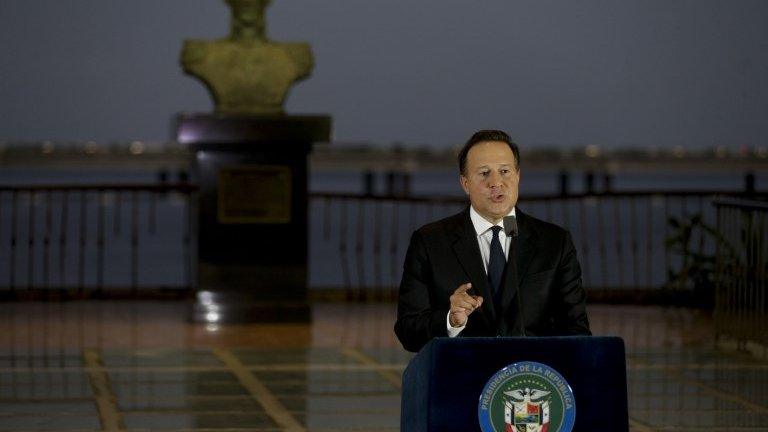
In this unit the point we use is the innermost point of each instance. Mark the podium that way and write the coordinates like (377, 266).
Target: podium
(445, 383)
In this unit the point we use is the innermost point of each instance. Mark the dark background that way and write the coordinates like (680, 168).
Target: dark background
(552, 72)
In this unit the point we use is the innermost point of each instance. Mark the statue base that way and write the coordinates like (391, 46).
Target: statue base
(252, 214)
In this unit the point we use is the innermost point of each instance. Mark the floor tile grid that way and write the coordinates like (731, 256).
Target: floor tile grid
(646, 381)
(46, 392)
(45, 373)
(329, 394)
(153, 391)
(21, 412)
(670, 391)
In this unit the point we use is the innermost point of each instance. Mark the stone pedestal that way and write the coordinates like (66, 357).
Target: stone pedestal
(252, 214)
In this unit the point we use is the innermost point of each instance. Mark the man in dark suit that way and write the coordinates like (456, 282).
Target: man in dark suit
(476, 274)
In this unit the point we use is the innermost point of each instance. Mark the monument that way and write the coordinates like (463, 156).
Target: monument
(250, 161)
(245, 72)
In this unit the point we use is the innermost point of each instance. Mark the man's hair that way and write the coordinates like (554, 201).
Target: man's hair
(487, 135)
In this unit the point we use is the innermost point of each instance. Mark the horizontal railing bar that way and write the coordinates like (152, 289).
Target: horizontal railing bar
(92, 292)
(148, 187)
(541, 197)
(740, 203)
(189, 187)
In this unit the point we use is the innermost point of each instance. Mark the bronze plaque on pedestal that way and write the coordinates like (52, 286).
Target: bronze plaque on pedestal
(254, 194)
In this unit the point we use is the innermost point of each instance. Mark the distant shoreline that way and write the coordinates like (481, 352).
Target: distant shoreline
(361, 158)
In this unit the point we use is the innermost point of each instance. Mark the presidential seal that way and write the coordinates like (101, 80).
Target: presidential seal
(527, 397)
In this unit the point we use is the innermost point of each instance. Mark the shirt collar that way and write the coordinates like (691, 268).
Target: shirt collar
(481, 225)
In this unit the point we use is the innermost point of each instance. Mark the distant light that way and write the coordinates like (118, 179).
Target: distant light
(187, 136)
(136, 148)
(592, 151)
(207, 302)
(91, 147)
(212, 327)
(721, 152)
(744, 150)
(205, 297)
(678, 151)
(47, 147)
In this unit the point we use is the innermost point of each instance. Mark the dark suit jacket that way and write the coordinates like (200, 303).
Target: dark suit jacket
(444, 254)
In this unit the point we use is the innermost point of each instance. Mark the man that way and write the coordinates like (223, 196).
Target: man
(457, 280)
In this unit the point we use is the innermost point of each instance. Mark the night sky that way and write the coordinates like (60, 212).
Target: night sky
(559, 73)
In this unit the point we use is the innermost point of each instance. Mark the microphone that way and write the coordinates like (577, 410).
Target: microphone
(510, 228)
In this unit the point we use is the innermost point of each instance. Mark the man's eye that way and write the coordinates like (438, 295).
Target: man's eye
(505, 171)
(485, 173)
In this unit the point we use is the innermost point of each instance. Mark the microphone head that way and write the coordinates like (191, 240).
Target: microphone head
(510, 226)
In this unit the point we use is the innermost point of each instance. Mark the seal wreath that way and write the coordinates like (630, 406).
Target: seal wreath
(527, 397)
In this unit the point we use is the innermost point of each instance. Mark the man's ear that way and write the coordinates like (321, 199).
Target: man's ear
(463, 180)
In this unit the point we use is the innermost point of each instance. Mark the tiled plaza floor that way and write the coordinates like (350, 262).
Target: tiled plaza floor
(89, 366)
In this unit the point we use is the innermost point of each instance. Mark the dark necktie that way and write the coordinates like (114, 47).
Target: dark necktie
(496, 264)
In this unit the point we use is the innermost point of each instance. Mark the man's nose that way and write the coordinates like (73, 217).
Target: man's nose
(494, 180)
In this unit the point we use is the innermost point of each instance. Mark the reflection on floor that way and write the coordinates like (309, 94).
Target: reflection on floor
(139, 366)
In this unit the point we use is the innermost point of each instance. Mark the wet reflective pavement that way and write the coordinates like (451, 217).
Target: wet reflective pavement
(90, 366)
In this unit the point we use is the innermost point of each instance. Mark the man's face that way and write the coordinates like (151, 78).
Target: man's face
(491, 179)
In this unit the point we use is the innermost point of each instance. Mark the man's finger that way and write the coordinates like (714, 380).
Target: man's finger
(466, 304)
(463, 311)
(463, 288)
(466, 299)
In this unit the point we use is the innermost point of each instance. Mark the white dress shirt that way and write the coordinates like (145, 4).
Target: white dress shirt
(484, 238)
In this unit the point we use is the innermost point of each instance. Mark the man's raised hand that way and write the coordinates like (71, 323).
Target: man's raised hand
(462, 305)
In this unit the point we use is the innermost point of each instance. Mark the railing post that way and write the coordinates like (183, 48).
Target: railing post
(564, 180)
(31, 242)
(589, 182)
(14, 239)
(368, 183)
(405, 184)
(608, 182)
(391, 183)
(183, 176)
(162, 176)
(749, 183)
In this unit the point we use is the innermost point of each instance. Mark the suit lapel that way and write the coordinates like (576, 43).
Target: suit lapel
(525, 249)
(468, 253)
(526, 245)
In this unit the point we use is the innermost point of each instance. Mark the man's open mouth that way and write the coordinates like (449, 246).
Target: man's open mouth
(497, 197)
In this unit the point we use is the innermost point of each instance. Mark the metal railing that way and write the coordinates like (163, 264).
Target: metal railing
(741, 306)
(136, 240)
(85, 240)
(625, 240)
